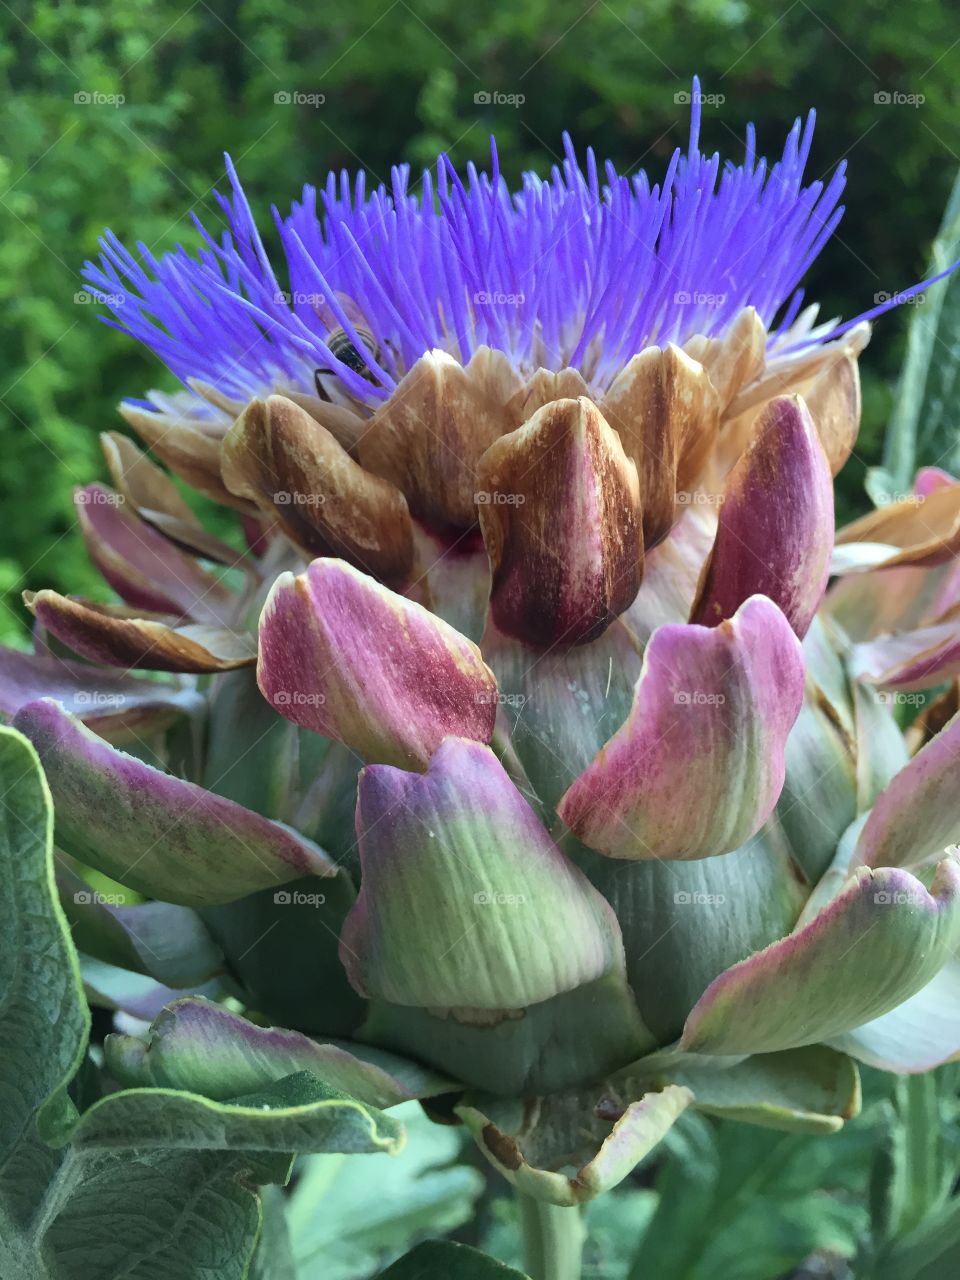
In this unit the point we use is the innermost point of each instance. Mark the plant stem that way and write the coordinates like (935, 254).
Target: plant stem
(552, 1239)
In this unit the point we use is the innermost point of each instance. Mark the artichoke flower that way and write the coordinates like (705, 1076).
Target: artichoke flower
(552, 797)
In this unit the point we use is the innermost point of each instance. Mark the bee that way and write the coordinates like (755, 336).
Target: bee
(343, 348)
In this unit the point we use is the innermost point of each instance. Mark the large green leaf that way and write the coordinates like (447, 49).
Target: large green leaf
(915, 1225)
(70, 1208)
(65, 1215)
(298, 1113)
(43, 1018)
(686, 1186)
(160, 1216)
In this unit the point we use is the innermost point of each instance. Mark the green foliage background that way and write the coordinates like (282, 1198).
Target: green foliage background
(399, 82)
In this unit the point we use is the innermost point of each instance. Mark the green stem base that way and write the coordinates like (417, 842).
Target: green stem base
(552, 1240)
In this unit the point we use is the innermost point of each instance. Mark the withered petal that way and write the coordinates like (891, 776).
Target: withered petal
(144, 568)
(735, 360)
(921, 530)
(541, 389)
(834, 403)
(344, 424)
(190, 452)
(784, 373)
(122, 637)
(561, 519)
(430, 435)
(665, 410)
(156, 499)
(281, 458)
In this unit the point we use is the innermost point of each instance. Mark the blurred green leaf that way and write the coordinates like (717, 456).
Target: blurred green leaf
(923, 426)
(347, 1215)
(930, 1252)
(273, 1259)
(748, 1204)
(441, 1261)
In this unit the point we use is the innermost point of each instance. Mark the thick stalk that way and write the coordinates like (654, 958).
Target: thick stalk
(552, 1240)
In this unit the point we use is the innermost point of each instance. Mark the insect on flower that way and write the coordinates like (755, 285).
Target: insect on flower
(356, 349)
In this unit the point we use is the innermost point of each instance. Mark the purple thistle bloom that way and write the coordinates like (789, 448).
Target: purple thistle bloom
(569, 270)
